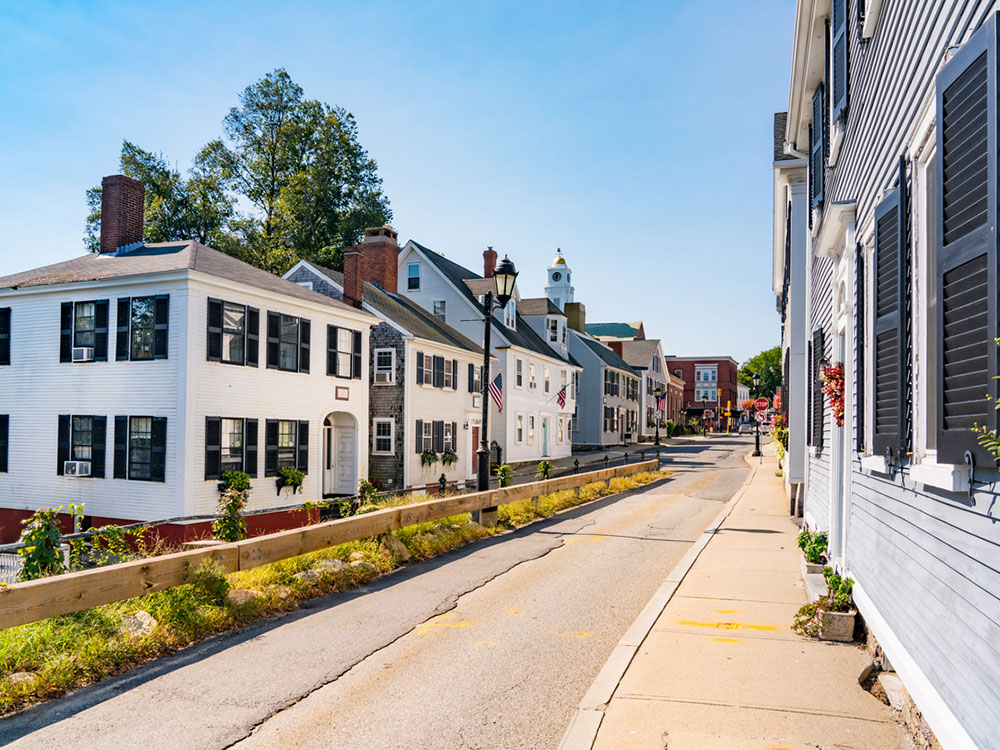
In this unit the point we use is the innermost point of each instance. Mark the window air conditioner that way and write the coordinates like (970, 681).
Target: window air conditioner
(383, 377)
(83, 354)
(76, 468)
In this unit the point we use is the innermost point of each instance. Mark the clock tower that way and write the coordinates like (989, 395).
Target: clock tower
(559, 289)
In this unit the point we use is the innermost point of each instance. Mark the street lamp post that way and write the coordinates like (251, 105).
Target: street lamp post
(704, 414)
(503, 289)
(656, 412)
(756, 420)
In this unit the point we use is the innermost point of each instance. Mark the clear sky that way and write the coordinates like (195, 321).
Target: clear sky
(636, 136)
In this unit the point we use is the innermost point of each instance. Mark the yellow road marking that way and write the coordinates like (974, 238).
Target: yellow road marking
(514, 611)
(576, 634)
(585, 538)
(727, 640)
(727, 625)
(477, 644)
(439, 622)
(728, 611)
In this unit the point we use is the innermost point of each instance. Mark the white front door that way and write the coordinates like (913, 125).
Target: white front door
(344, 463)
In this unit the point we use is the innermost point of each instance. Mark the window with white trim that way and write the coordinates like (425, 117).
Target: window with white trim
(440, 307)
(383, 431)
(413, 276)
(385, 366)
(553, 324)
(531, 428)
(546, 374)
(519, 429)
(520, 373)
(449, 373)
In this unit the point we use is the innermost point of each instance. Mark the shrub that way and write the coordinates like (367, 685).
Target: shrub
(237, 480)
(367, 489)
(504, 473)
(544, 470)
(291, 477)
(41, 555)
(231, 526)
(668, 429)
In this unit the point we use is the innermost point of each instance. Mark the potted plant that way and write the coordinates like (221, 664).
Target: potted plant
(813, 548)
(831, 617)
(428, 458)
(449, 458)
(833, 389)
(289, 476)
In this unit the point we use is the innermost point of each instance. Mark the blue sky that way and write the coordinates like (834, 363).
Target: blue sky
(636, 136)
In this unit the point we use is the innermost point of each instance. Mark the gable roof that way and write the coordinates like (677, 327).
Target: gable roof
(400, 310)
(614, 331)
(780, 123)
(161, 257)
(538, 306)
(639, 354)
(607, 355)
(521, 335)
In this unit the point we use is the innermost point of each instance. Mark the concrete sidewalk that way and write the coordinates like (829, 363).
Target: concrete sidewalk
(712, 661)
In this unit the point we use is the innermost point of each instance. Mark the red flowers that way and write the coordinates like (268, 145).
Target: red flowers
(833, 389)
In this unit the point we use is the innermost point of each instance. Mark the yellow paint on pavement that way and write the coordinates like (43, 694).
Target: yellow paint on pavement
(585, 538)
(576, 634)
(441, 622)
(479, 644)
(514, 611)
(727, 640)
(727, 625)
(728, 611)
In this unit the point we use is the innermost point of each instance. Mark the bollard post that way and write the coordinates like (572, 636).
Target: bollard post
(442, 483)
(626, 458)
(606, 459)
(642, 455)
(576, 466)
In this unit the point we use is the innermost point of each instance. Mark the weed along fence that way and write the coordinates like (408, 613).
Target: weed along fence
(39, 599)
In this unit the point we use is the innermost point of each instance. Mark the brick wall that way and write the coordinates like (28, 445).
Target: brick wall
(388, 401)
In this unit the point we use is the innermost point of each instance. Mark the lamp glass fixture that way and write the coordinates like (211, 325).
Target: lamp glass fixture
(756, 379)
(503, 280)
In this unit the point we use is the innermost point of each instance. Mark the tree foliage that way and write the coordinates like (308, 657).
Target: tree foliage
(768, 365)
(288, 179)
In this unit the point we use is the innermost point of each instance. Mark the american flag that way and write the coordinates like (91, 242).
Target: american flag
(561, 396)
(661, 403)
(496, 390)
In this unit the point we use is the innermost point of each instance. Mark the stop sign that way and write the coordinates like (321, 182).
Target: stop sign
(761, 404)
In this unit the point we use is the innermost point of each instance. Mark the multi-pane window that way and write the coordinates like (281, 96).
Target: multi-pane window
(576, 384)
(546, 374)
(84, 324)
(233, 333)
(141, 323)
(510, 314)
(383, 436)
(520, 373)
(560, 423)
(288, 343)
(286, 442)
(449, 437)
(553, 324)
(385, 366)
(449, 373)
(531, 374)
(520, 428)
(82, 439)
(4, 335)
(140, 441)
(232, 445)
(611, 383)
(531, 428)
(413, 276)
(439, 309)
(610, 422)
(428, 435)
(344, 346)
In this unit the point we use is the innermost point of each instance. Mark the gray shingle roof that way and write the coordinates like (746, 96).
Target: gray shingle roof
(538, 306)
(522, 335)
(607, 355)
(160, 257)
(780, 121)
(408, 315)
(639, 354)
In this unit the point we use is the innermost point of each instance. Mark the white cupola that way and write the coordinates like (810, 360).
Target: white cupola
(559, 288)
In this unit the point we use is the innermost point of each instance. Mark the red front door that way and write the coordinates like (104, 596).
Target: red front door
(475, 449)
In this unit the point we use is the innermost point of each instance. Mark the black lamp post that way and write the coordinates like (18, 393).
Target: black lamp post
(756, 420)
(656, 412)
(503, 289)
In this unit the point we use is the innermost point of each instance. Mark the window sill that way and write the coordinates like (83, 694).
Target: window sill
(875, 464)
(948, 477)
(383, 453)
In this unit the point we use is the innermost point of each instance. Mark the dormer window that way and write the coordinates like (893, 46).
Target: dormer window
(510, 314)
(553, 325)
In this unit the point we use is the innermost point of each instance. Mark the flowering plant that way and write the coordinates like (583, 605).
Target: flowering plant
(747, 405)
(833, 389)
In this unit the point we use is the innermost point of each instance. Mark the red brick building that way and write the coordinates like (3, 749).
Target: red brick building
(709, 382)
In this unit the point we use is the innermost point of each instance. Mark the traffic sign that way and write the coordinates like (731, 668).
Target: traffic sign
(762, 404)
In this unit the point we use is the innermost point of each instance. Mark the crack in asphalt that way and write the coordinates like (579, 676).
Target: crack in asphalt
(449, 603)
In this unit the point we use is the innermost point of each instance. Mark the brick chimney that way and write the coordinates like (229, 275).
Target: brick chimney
(616, 347)
(576, 316)
(374, 260)
(121, 212)
(489, 262)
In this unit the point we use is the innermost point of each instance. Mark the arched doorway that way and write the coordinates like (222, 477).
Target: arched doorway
(340, 454)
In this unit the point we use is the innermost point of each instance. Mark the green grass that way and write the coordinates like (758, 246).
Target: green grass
(67, 652)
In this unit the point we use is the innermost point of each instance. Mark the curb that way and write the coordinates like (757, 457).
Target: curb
(586, 721)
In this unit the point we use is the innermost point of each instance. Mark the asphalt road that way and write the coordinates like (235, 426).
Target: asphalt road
(490, 646)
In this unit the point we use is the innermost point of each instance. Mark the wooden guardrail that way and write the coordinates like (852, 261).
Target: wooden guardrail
(31, 601)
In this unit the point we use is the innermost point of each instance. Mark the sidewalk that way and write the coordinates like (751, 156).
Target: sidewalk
(712, 662)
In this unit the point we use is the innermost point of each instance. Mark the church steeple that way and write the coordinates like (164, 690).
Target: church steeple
(559, 288)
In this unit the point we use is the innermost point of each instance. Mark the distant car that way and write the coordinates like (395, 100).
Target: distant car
(745, 428)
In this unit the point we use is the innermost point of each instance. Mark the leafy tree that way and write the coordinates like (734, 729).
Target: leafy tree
(768, 365)
(308, 187)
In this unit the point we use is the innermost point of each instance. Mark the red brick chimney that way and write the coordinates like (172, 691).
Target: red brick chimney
(121, 212)
(616, 347)
(489, 262)
(374, 260)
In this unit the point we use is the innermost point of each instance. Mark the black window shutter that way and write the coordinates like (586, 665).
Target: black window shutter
(214, 333)
(213, 447)
(98, 450)
(4, 441)
(121, 339)
(305, 337)
(817, 159)
(966, 277)
(161, 319)
(454, 374)
(816, 418)
(273, 341)
(454, 437)
(859, 346)
(437, 432)
(302, 459)
(438, 372)
(120, 468)
(101, 315)
(4, 335)
(271, 448)
(331, 350)
(253, 336)
(472, 378)
(158, 454)
(841, 48)
(420, 368)
(356, 368)
(62, 446)
(419, 442)
(250, 451)
(887, 362)
(66, 332)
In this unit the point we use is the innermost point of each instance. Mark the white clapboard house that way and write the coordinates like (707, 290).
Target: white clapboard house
(132, 378)
(886, 195)
(425, 376)
(533, 424)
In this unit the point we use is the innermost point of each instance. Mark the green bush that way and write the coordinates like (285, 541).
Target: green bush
(232, 525)
(292, 477)
(668, 429)
(813, 546)
(237, 480)
(781, 436)
(40, 555)
(504, 473)
(544, 470)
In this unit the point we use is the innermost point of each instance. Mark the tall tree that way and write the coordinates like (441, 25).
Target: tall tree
(296, 166)
(767, 364)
